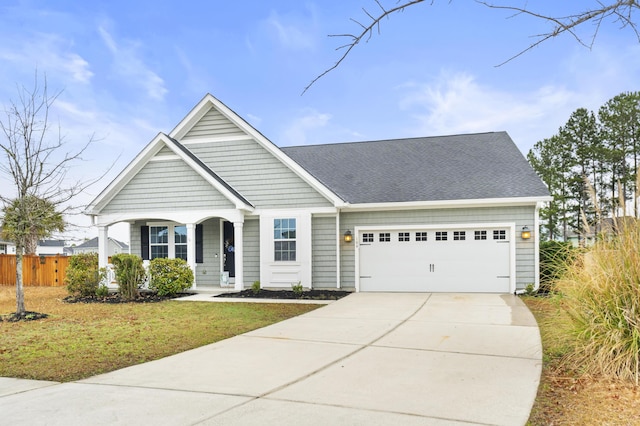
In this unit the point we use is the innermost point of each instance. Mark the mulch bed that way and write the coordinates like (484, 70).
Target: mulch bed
(144, 297)
(25, 316)
(289, 294)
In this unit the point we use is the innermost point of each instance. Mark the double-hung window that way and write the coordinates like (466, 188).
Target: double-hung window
(284, 239)
(180, 241)
(168, 241)
(159, 241)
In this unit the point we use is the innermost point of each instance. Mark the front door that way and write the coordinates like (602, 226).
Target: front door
(229, 256)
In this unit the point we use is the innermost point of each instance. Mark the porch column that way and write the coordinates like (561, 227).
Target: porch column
(103, 246)
(239, 254)
(191, 250)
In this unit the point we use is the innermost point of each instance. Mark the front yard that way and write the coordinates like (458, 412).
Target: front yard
(80, 340)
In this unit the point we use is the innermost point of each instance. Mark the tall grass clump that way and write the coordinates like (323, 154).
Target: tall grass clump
(601, 293)
(555, 256)
(130, 274)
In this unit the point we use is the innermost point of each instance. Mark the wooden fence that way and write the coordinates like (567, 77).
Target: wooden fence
(42, 271)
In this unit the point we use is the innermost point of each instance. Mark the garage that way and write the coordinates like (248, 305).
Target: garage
(470, 259)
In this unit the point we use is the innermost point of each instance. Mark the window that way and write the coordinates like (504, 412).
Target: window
(500, 234)
(385, 237)
(421, 236)
(403, 236)
(459, 235)
(480, 235)
(367, 238)
(159, 241)
(284, 237)
(441, 235)
(180, 241)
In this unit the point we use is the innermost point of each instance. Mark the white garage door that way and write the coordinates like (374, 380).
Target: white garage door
(475, 260)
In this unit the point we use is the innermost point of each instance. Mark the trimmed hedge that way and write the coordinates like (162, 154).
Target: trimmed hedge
(169, 276)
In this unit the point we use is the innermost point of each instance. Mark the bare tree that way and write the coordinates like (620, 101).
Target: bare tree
(620, 11)
(37, 162)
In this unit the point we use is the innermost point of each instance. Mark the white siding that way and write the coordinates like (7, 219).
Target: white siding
(521, 216)
(166, 186)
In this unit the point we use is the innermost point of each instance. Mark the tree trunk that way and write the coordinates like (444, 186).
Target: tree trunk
(19, 287)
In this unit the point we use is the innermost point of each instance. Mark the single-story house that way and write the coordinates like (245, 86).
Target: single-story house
(51, 248)
(452, 213)
(91, 246)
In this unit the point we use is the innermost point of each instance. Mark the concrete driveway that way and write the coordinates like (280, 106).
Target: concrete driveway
(367, 359)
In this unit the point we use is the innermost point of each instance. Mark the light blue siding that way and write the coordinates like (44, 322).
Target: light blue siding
(213, 124)
(323, 260)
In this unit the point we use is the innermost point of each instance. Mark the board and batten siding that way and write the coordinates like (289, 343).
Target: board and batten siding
(251, 258)
(256, 174)
(323, 259)
(167, 185)
(213, 123)
(520, 215)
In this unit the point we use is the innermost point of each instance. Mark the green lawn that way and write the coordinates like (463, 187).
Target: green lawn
(82, 340)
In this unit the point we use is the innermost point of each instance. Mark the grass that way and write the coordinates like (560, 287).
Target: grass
(566, 395)
(81, 340)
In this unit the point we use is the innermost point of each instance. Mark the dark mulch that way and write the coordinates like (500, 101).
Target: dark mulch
(144, 297)
(289, 294)
(24, 316)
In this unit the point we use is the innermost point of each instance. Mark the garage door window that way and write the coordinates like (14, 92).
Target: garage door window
(480, 235)
(403, 236)
(385, 237)
(421, 236)
(284, 239)
(441, 235)
(459, 235)
(500, 234)
(367, 238)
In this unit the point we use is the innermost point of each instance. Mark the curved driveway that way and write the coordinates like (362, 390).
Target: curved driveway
(367, 359)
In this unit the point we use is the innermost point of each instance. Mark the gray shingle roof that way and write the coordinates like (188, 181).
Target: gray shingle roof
(456, 167)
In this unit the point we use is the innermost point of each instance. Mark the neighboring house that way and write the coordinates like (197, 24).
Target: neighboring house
(91, 246)
(7, 247)
(451, 213)
(50, 247)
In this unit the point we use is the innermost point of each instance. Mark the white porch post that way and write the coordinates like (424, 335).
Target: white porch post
(103, 246)
(191, 250)
(239, 254)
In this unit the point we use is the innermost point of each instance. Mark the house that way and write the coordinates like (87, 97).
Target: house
(51, 248)
(91, 246)
(452, 213)
(7, 247)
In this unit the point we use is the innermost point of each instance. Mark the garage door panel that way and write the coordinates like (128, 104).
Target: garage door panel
(439, 264)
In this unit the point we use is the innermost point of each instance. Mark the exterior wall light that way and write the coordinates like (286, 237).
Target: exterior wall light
(526, 234)
(348, 237)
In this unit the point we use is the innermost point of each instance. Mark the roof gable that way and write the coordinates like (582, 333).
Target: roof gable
(457, 167)
(158, 147)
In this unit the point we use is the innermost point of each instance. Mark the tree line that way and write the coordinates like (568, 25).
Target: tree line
(590, 167)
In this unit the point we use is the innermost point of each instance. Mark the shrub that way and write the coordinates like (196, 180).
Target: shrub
(601, 293)
(554, 258)
(297, 289)
(130, 274)
(169, 276)
(82, 275)
(255, 287)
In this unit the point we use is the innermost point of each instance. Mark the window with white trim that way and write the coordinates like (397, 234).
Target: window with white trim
(384, 237)
(441, 235)
(284, 239)
(479, 235)
(421, 236)
(367, 238)
(158, 241)
(180, 241)
(404, 236)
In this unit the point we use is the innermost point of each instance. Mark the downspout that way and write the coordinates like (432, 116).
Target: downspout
(338, 253)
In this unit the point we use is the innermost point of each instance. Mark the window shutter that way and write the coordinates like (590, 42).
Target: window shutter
(144, 242)
(199, 246)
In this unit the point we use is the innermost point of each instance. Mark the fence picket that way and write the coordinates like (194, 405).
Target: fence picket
(41, 271)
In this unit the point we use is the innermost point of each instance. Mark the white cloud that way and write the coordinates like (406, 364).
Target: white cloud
(294, 36)
(457, 103)
(128, 64)
(296, 133)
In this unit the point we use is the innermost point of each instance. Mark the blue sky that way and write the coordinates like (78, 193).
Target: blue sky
(130, 69)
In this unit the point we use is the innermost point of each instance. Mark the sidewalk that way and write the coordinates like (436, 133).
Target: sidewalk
(370, 358)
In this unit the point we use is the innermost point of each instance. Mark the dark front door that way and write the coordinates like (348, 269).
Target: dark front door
(229, 250)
